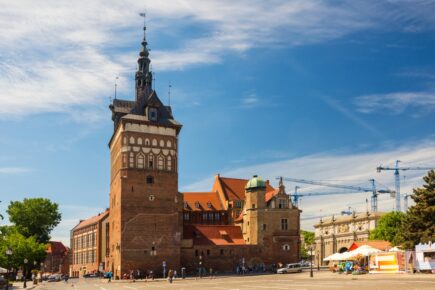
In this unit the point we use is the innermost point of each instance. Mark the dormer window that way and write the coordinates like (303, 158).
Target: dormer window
(196, 204)
(153, 114)
(209, 204)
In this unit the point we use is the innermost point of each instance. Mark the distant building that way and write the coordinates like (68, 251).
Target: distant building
(337, 233)
(57, 258)
(152, 226)
(89, 245)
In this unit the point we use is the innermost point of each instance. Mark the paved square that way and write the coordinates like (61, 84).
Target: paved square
(321, 280)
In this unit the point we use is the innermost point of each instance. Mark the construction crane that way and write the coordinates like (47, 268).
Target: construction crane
(296, 196)
(373, 190)
(397, 177)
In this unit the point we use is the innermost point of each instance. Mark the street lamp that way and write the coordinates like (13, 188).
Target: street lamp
(42, 271)
(8, 255)
(200, 266)
(24, 272)
(311, 261)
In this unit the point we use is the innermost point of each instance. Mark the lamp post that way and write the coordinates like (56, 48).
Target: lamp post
(34, 275)
(8, 255)
(311, 261)
(42, 271)
(318, 261)
(24, 273)
(200, 266)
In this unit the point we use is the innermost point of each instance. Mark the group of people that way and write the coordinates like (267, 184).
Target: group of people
(349, 267)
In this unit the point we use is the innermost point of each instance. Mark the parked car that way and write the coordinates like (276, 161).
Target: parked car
(4, 285)
(305, 263)
(54, 278)
(290, 268)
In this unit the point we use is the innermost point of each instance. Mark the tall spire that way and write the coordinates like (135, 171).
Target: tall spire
(144, 76)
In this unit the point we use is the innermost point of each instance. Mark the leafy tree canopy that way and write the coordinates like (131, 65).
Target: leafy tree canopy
(389, 228)
(419, 224)
(308, 237)
(308, 240)
(22, 248)
(34, 217)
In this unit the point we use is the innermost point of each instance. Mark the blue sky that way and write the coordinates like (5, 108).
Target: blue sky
(309, 89)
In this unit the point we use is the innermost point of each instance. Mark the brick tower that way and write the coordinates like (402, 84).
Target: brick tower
(145, 223)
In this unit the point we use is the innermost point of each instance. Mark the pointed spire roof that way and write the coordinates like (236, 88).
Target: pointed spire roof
(144, 51)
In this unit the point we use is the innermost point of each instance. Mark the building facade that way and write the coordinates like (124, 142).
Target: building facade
(150, 225)
(88, 245)
(337, 233)
(57, 259)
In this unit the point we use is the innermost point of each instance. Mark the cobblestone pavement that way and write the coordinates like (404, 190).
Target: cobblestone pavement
(321, 280)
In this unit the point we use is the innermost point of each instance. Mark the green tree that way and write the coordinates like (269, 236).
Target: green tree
(22, 248)
(389, 228)
(34, 217)
(419, 224)
(308, 240)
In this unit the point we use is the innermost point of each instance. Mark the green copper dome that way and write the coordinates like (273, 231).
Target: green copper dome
(255, 183)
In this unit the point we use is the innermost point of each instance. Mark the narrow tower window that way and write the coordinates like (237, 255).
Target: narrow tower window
(161, 163)
(169, 163)
(150, 180)
(131, 159)
(140, 161)
(151, 161)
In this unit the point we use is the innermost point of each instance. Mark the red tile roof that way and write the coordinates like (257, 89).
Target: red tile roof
(203, 198)
(91, 220)
(219, 235)
(56, 248)
(271, 194)
(234, 188)
(378, 244)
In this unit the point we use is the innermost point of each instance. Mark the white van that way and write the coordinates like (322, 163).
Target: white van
(290, 268)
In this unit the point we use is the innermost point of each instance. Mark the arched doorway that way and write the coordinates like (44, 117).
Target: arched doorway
(342, 250)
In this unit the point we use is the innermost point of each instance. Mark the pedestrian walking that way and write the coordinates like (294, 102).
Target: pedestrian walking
(170, 275)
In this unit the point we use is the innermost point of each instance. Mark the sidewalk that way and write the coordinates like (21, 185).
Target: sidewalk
(19, 285)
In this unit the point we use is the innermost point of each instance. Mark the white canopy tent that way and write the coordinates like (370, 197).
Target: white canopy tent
(3, 270)
(364, 251)
(334, 257)
(360, 251)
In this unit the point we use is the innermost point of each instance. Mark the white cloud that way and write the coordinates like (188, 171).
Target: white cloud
(336, 105)
(396, 103)
(57, 55)
(14, 170)
(349, 168)
(250, 101)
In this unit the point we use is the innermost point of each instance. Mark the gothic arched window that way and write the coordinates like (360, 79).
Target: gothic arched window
(131, 159)
(140, 161)
(139, 141)
(151, 161)
(160, 162)
(169, 163)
